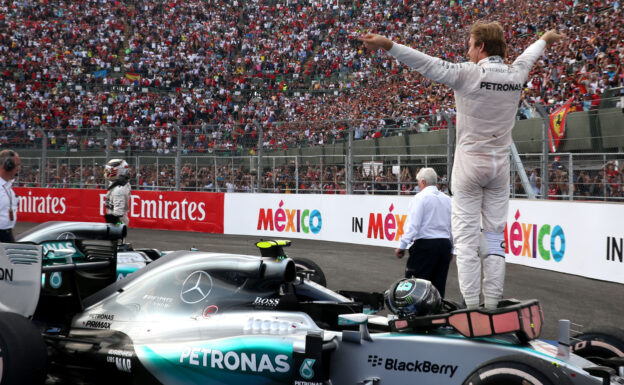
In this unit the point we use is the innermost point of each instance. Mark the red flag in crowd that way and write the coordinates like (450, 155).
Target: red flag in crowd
(557, 124)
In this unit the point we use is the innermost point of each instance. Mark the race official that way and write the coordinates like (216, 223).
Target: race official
(9, 167)
(429, 232)
(487, 94)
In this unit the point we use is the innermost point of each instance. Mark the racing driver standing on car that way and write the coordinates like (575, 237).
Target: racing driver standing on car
(117, 202)
(487, 92)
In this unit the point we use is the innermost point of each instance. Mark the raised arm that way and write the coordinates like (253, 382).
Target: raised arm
(434, 68)
(532, 53)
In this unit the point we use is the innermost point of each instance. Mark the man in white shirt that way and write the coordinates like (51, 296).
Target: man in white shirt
(429, 228)
(9, 167)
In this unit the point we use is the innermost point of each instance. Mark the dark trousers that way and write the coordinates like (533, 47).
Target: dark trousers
(430, 259)
(6, 236)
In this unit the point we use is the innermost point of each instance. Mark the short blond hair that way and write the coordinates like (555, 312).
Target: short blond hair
(492, 36)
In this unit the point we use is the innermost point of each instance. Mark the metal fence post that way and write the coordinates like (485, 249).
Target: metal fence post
(93, 164)
(108, 142)
(178, 159)
(214, 176)
(349, 173)
(372, 174)
(137, 165)
(604, 178)
(545, 143)
(570, 174)
(259, 166)
(399, 177)
(44, 158)
(296, 174)
(450, 144)
(322, 172)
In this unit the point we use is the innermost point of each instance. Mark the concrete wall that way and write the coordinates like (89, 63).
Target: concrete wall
(585, 131)
(612, 128)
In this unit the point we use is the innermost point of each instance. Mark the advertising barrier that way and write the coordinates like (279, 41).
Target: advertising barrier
(166, 210)
(569, 237)
(543, 234)
(362, 219)
(585, 239)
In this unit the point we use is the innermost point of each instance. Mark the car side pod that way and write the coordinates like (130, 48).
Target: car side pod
(524, 318)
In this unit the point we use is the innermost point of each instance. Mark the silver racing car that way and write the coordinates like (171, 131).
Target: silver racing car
(194, 317)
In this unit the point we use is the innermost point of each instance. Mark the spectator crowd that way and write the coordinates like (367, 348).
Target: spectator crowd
(214, 75)
(223, 70)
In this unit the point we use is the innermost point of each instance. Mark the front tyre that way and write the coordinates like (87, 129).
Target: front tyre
(517, 370)
(601, 342)
(23, 354)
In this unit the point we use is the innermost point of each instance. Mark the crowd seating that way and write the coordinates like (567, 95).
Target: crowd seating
(219, 69)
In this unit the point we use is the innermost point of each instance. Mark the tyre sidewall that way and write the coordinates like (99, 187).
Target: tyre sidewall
(23, 351)
(604, 343)
(513, 370)
(319, 276)
(4, 361)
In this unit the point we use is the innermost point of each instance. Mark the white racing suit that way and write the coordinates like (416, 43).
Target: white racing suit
(117, 203)
(487, 96)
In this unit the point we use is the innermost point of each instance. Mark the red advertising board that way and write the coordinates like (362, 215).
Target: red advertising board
(167, 210)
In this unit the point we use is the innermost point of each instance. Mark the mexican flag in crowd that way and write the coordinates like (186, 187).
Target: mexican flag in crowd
(557, 124)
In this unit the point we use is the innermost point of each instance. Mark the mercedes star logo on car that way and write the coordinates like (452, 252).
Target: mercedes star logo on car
(196, 287)
(66, 235)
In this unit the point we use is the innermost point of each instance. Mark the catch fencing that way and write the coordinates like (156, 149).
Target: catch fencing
(570, 176)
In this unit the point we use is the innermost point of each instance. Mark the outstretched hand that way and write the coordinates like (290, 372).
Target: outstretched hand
(374, 42)
(552, 36)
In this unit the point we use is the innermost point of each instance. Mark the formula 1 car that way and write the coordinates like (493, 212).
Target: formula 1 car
(67, 236)
(193, 317)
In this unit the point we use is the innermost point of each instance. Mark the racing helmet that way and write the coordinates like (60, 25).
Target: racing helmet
(116, 169)
(413, 296)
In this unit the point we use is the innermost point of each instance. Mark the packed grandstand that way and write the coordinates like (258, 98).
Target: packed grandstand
(226, 71)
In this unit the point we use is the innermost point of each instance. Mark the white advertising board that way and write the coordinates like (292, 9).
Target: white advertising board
(570, 237)
(584, 239)
(361, 219)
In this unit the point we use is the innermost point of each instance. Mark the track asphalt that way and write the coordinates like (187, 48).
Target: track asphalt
(583, 301)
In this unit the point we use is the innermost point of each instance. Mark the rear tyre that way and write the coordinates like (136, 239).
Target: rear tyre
(517, 370)
(23, 354)
(602, 342)
(310, 270)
